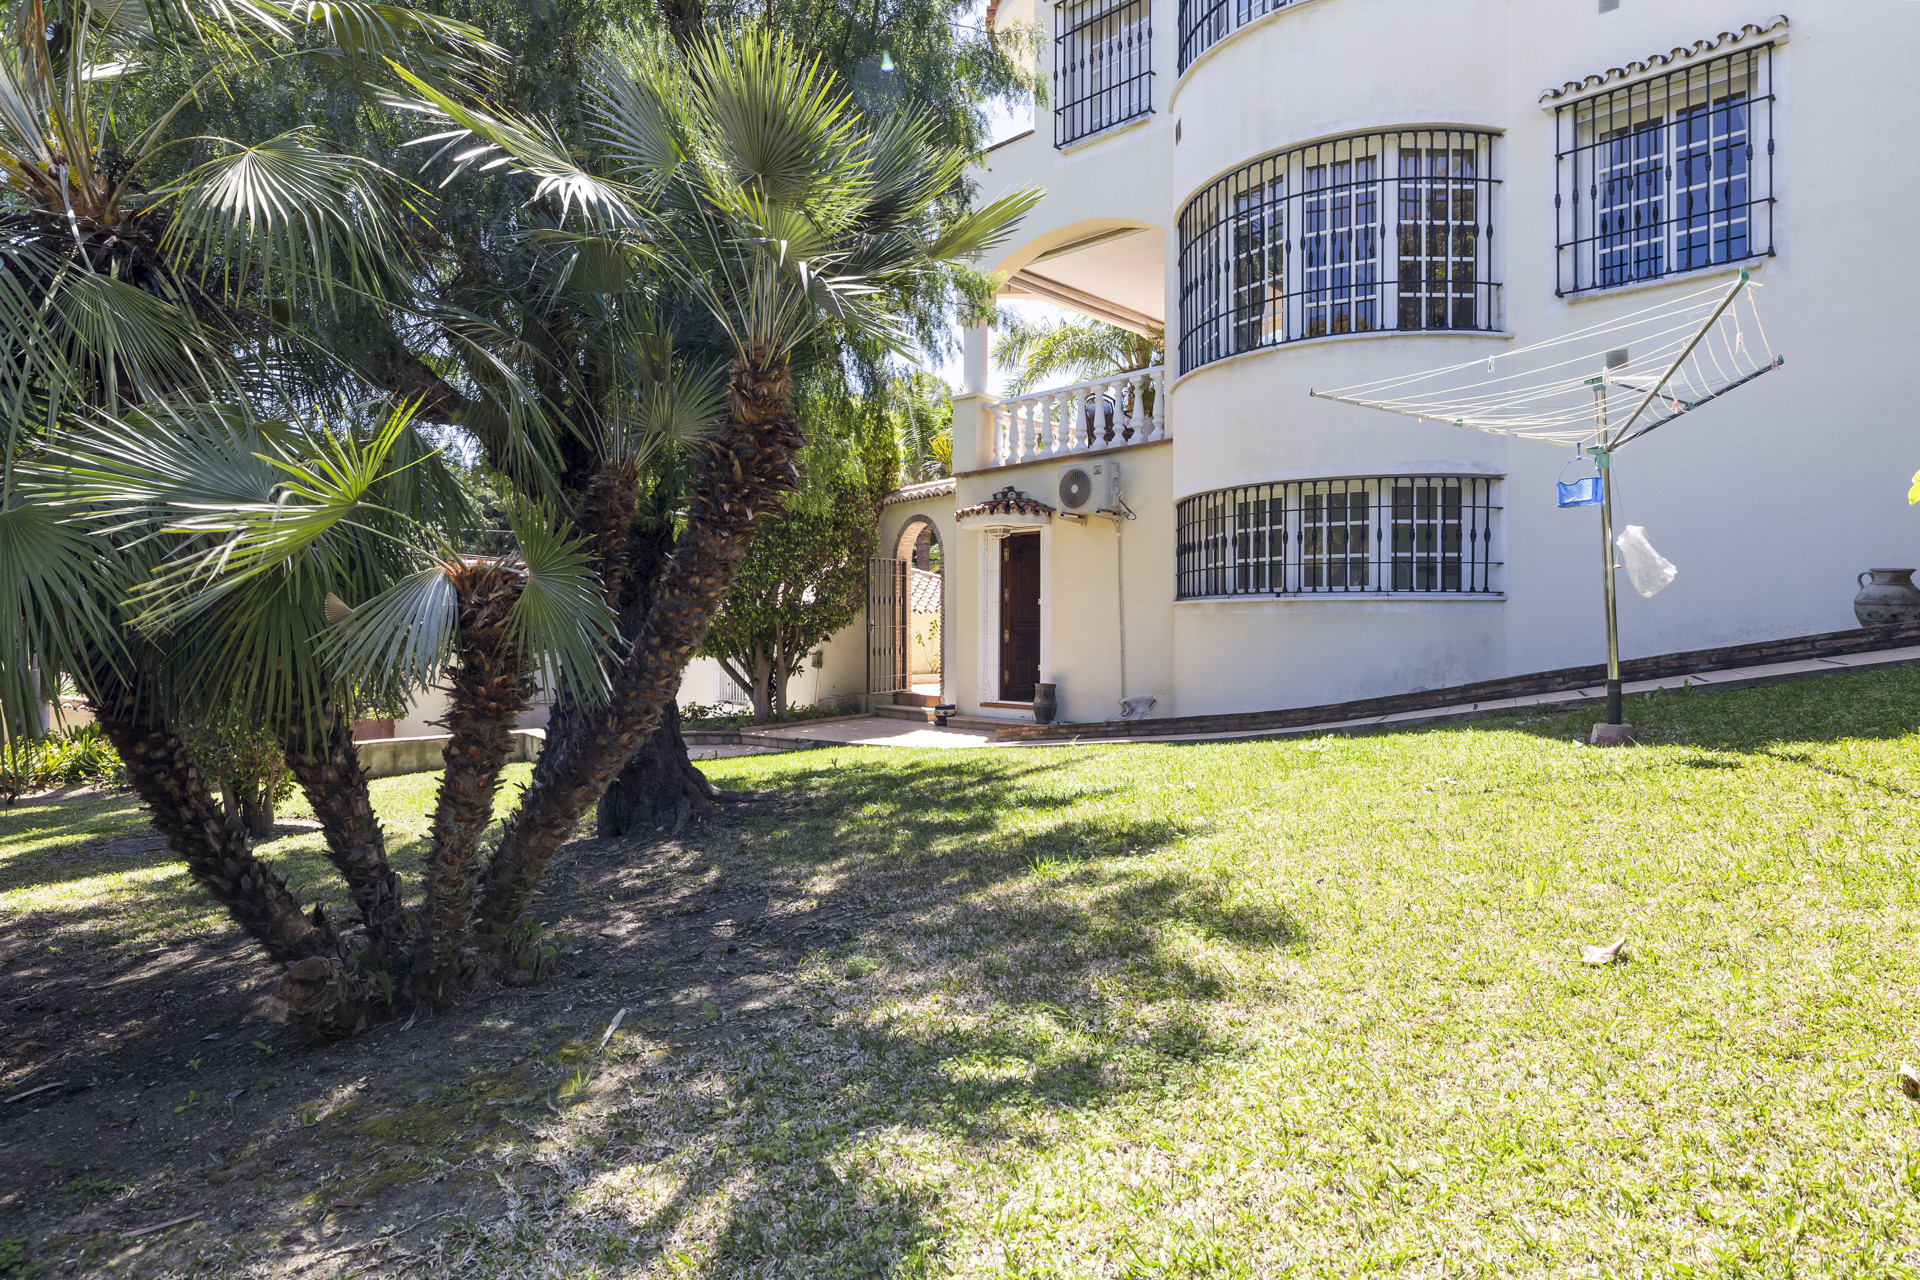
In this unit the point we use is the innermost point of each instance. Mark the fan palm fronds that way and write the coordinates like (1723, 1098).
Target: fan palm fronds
(1081, 349)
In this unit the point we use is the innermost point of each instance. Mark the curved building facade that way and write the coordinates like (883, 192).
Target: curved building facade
(1315, 194)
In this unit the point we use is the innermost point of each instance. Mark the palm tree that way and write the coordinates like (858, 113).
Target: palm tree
(298, 568)
(234, 537)
(923, 419)
(1083, 349)
(127, 276)
(741, 176)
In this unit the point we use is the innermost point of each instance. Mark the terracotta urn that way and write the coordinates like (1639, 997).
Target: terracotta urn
(1046, 703)
(1888, 600)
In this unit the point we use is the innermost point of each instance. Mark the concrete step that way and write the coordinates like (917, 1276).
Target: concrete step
(916, 699)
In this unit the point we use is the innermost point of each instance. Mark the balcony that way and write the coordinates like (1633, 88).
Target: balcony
(1106, 413)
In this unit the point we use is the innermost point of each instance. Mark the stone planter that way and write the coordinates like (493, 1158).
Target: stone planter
(1888, 600)
(1046, 703)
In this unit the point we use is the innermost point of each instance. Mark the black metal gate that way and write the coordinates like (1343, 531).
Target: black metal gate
(889, 582)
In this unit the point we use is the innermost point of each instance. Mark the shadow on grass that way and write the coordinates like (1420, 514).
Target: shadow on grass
(1022, 897)
(1036, 959)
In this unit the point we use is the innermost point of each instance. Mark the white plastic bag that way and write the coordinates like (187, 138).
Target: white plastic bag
(1650, 572)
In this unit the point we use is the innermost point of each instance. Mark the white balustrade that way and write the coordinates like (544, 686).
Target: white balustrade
(1125, 408)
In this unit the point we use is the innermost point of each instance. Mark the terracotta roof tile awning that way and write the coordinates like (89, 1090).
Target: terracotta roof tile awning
(917, 492)
(1008, 502)
(1747, 34)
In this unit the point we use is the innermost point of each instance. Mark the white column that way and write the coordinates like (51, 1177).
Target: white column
(975, 424)
(974, 345)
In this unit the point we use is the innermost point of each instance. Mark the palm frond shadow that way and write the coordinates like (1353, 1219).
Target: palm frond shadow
(983, 955)
(1083, 977)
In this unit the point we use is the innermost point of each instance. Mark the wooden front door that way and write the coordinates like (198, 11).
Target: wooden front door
(1019, 616)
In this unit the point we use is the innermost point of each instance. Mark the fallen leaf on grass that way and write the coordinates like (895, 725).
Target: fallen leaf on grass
(1910, 1080)
(1602, 955)
(615, 1026)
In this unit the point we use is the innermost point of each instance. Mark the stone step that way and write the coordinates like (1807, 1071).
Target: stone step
(916, 699)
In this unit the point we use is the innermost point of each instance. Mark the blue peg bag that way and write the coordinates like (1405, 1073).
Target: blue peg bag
(1581, 492)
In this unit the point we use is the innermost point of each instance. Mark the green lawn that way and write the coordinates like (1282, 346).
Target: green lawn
(1287, 1007)
(91, 864)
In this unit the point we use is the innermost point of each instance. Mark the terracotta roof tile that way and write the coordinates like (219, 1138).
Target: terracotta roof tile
(1654, 62)
(1008, 502)
(916, 492)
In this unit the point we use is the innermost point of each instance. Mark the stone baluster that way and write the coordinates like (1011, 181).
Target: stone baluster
(1002, 433)
(1157, 380)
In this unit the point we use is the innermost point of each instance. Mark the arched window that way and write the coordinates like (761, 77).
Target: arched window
(1380, 231)
(1368, 535)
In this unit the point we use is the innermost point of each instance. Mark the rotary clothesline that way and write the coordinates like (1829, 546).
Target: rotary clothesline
(1546, 391)
(1678, 356)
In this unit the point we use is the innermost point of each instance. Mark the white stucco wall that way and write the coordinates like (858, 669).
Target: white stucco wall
(1769, 501)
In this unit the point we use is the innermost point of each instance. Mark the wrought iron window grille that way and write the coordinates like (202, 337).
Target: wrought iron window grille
(1205, 23)
(1102, 66)
(1364, 535)
(1380, 231)
(1669, 174)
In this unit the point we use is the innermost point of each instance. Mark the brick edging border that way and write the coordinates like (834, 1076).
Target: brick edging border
(1662, 666)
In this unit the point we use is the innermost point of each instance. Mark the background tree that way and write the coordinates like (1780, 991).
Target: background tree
(922, 411)
(805, 577)
(247, 761)
(1081, 349)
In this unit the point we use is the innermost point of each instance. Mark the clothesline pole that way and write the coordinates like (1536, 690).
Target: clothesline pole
(1603, 459)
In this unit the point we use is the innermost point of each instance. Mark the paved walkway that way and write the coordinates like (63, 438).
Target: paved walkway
(876, 731)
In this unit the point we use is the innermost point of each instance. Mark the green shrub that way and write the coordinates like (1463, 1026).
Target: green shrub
(19, 768)
(76, 757)
(244, 760)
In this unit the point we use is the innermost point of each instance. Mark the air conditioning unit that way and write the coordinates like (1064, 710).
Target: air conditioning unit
(1090, 486)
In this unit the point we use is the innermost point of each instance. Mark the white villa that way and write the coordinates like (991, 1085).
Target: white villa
(1320, 193)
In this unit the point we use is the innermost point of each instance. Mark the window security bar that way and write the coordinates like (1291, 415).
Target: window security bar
(1205, 23)
(1102, 66)
(1381, 231)
(1669, 174)
(1371, 535)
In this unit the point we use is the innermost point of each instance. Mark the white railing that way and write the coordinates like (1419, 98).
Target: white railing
(1126, 408)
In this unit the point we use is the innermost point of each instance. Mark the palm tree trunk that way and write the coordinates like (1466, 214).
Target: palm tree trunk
(605, 512)
(659, 791)
(322, 985)
(488, 690)
(336, 786)
(749, 465)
